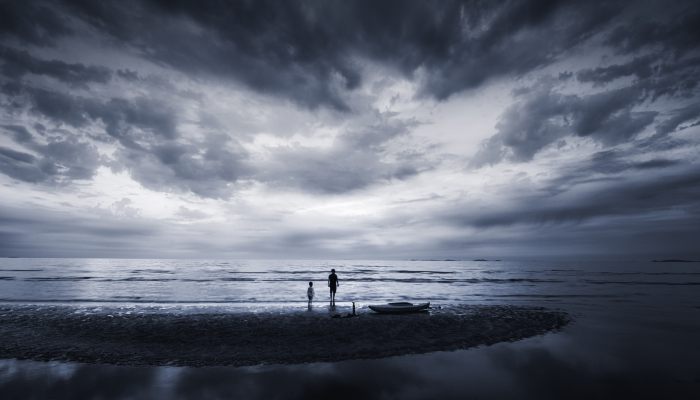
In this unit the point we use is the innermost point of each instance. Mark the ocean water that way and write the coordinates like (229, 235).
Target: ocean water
(634, 335)
(279, 283)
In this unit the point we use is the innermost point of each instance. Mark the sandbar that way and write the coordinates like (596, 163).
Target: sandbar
(61, 333)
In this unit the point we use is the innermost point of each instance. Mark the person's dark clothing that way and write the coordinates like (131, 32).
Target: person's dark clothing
(333, 282)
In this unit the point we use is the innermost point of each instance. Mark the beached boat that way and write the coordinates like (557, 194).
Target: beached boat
(401, 307)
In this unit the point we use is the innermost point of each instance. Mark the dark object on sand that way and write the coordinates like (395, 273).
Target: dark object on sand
(401, 307)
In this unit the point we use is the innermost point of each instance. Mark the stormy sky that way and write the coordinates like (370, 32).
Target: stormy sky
(350, 129)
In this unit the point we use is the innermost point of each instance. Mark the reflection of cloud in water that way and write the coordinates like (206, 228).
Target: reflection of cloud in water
(33, 380)
(349, 380)
(634, 357)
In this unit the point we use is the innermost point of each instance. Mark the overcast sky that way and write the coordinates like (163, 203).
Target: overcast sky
(350, 129)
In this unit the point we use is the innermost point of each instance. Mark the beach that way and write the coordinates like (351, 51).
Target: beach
(244, 338)
(210, 329)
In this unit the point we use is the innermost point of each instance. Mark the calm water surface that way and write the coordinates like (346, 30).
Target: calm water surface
(635, 333)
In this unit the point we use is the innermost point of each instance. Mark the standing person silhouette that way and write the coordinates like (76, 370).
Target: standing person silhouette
(333, 284)
(310, 294)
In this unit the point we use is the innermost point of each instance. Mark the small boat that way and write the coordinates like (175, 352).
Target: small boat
(401, 307)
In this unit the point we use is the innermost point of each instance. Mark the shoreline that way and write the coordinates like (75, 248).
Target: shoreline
(64, 333)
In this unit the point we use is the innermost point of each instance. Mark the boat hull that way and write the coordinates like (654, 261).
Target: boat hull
(399, 309)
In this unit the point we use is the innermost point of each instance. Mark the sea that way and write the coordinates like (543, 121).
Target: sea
(635, 329)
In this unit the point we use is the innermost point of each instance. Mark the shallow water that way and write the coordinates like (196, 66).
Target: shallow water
(283, 283)
(634, 335)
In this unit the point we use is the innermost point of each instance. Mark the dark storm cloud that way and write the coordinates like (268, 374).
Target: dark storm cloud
(295, 47)
(33, 22)
(59, 160)
(149, 115)
(208, 168)
(58, 106)
(662, 44)
(311, 52)
(544, 116)
(128, 74)
(159, 158)
(515, 39)
(151, 148)
(690, 114)
(126, 120)
(656, 75)
(308, 50)
(155, 156)
(612, 162)
(139, 125)
(17, 63)
(655, 163)
(675, 29)
(639, 67)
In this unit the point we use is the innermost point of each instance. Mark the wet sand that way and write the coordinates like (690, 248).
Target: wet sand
(62, 333)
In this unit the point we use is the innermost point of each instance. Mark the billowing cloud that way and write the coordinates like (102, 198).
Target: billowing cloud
(207, 169)
(544, 116)
(16, 64)
(688, 115)
(59, 160)
(309, 51)
(32, 22)
(398, 128)
(664, 66)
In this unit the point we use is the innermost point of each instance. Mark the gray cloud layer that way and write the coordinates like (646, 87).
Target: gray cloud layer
(60, 160)
(66, 95)
(353, 161)
(665, 68)
(306, 50)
